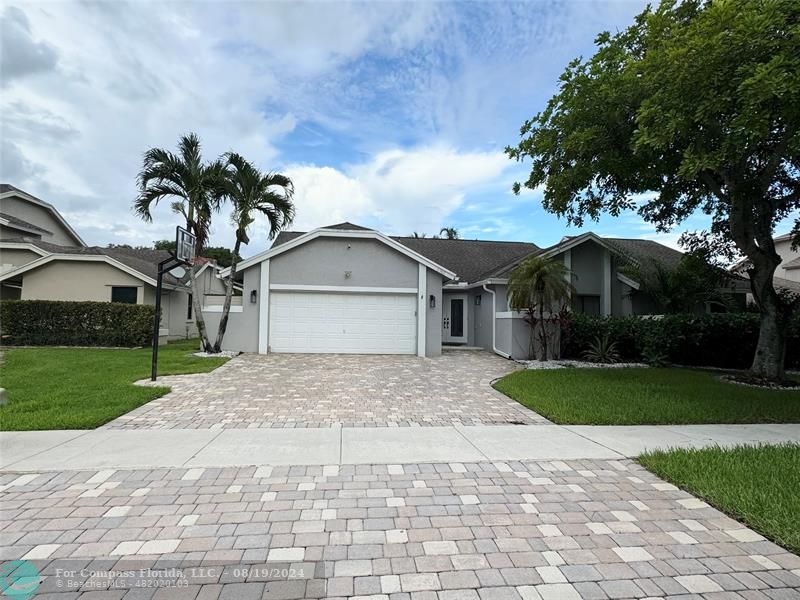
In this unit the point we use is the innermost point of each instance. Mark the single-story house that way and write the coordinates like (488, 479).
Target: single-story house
(43, 258)
(349, 289)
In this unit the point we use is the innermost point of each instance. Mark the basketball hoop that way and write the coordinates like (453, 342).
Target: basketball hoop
(184, 245)
(184, 255)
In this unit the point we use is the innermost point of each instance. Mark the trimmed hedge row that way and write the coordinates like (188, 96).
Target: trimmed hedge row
(55, 323)
(726, 340)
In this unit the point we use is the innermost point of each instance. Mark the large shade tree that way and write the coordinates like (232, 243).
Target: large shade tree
(196, 189)
(697, 103)
(252, 193)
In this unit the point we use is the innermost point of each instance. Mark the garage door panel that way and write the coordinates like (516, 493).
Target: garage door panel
(346, 323)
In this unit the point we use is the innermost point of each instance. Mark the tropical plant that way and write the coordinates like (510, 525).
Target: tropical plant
(540, 287)
(655, 357)
(692, 108)
(252, 192)
(683, 287)
(418, 236)
(197, 187)
(449, 233)
(602, 350)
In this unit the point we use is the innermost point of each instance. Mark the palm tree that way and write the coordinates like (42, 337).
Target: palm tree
(418, 236)
(251, 191)
(536, 285)
(450, 233)
(197, 187)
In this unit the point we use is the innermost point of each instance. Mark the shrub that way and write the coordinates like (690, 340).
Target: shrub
(602, 350)
(714, 340)
(55, 323)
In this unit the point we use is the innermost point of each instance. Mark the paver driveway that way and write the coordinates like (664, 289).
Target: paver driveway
(323, 390)
(560, 530)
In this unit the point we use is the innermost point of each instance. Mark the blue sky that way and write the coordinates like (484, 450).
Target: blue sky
(392, 115)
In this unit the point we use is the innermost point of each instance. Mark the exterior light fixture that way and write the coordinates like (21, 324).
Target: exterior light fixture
(433, 301)
(478, 300)
(253, 296)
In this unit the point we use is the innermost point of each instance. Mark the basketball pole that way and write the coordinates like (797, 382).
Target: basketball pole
(163, 266)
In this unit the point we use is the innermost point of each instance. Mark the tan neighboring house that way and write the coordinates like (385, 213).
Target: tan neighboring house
(43, 258)
(787, 275)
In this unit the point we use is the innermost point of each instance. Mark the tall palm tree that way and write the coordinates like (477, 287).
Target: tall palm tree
(449, 233)
(250, 192)
(536, 285)
(197, 188)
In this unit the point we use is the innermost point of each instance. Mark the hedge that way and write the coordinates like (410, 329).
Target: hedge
(726, 340)
(55, 323)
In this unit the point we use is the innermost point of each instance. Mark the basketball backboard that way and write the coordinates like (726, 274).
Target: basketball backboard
(184, 245)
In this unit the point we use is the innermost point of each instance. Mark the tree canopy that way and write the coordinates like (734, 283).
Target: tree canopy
(695, 107)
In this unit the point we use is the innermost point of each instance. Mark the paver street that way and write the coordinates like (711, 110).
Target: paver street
(517, 530)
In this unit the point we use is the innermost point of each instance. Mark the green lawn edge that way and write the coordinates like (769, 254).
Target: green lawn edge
(83, 388)
(758, 485)
(645, 396)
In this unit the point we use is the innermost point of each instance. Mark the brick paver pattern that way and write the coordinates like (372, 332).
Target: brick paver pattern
(520, 531)
(325, 390)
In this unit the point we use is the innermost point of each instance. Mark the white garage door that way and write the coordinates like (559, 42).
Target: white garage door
(343, 323)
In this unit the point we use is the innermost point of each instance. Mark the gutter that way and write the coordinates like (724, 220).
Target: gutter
(494, 324)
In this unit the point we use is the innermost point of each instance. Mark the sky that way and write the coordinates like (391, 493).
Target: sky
(390, 115)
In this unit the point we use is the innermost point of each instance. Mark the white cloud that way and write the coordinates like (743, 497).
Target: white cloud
(397, 191)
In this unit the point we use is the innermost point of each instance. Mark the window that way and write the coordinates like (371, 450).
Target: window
(589, 305)
(125, 295)
(189, 309)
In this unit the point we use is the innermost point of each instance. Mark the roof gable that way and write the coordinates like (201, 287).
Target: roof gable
(286, 243)
(8, 191)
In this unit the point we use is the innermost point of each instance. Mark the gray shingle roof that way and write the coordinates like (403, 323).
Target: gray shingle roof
(471, 260)
(12, 221)
(145, 261)
(643, 251)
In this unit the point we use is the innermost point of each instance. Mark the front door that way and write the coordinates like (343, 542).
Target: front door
(454, 319)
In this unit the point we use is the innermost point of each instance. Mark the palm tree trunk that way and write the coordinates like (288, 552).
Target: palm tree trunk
(544, 331)
(198, 313)
(226, 307)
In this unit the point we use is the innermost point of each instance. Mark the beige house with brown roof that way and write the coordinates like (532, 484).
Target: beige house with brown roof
(43, 258)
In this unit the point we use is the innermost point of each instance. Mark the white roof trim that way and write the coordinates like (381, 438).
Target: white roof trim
(48, 206)
(584, 237)
(24, 246)
(35, 264)
(341, 233)
(469, 286)
(628, 281)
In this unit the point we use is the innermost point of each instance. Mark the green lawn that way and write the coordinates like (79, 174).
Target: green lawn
(639, 396)
(82, 388)
(759, 486)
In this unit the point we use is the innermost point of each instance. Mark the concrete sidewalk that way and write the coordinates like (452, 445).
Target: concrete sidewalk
(104, 448)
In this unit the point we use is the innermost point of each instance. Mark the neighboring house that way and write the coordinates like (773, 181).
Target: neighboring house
(787, 275)
(348, 289)
(43, 258)
(25, 216)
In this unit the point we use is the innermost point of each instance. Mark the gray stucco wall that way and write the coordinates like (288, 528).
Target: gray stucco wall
(325, 261)
(242, 331)
(41, 217)
(587, 268)
(433, 316)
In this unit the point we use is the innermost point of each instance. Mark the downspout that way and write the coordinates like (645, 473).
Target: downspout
(494, 323)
